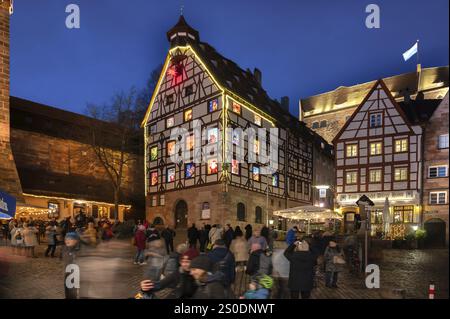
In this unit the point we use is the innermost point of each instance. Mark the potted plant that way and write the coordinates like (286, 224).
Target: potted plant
(420, 235)
(411, 241)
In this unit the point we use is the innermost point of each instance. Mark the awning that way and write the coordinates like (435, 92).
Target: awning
(7, 205)
(307, 213)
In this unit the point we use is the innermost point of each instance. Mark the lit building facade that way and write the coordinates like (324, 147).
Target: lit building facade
(199, 88)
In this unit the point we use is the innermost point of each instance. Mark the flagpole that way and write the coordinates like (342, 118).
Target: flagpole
(419, 68)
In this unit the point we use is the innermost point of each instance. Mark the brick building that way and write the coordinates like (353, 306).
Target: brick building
(435, 173)
(198, 87)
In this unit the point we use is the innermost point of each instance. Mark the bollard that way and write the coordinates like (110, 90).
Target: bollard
(431, 291)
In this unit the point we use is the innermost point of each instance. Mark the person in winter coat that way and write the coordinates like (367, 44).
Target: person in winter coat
(256, 291)
(248, 231)
(239, 249)
(173, 262)
(90, 235)
(203, 238)
(17, 238)
(281, 274)
(152, 233)
(30, 239)
(214, 234)
(257, 239)
(291, 235)
(223, 260)
(156, 254)
(139, 242)
(168, 234)
(301, 270)
(50, 232)
(209, 285)
(69, 255)
(228, 235)
(259, 262)
(332, 267)
(265, 233)
(192, 235)
(181, 281)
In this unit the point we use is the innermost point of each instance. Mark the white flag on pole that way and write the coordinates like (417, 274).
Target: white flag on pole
(408, 54)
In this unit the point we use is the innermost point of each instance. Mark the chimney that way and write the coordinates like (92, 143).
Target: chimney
(285, 103)
(9, 179)
(258, 75)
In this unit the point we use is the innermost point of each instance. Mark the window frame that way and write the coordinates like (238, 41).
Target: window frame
(401, 145)
(346, 177)
(437, 171)
(347, 148)
(375, 170)
(437, 198)
(381, 148)
(406, 174)
(167, 119)
(376, 114)
(439, 142)
(185, 112)
(189, 88)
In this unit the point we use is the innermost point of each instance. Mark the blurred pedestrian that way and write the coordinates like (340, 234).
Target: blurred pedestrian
(228, 235)
(192, 235)
(139, 242)
(301, 270)
(50, 233)
(257, 239)
(30, 234)
(334, 261)
(209, 285)
(168, 234)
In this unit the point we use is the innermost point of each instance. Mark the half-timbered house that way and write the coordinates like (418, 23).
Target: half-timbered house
(211, 181)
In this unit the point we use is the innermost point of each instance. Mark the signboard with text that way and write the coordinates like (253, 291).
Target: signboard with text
(7, 205)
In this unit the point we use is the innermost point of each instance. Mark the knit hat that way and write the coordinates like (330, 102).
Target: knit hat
(72, 235)
(191, 253)
(201, 262)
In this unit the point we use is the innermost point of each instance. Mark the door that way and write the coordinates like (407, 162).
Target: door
(435, 229)
(181, 211)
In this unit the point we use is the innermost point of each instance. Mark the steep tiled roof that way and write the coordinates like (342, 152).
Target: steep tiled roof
(419, 111)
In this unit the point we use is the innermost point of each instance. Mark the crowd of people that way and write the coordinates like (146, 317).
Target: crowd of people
(229, 263)
(25, 234)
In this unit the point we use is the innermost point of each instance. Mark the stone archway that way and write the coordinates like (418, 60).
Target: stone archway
(435, 229)
(181, 214)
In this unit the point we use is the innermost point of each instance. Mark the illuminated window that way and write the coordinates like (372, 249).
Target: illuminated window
(352, 150)
(376, 120)
(401, 145)
(170, 121)
(235, 167)
(154, 178)
(443, 141)
(256, 146)
(405, 214)
(170, 175)
(258, 120)
(213, 135)
(213, 105)
(351, 177)
(401, 174)
(376, 148)
(171, 148)
(377, 216)
(438, 198)
(190, 142)
(188, 115)
(213, 167)
(275, 179)
(189, 90)
(437, 171)
(236, 108)
(189, 170)
(236, 137)
(154, 153)
(375, 175)
(255, 173)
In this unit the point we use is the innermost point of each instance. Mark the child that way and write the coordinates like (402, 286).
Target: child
(69, 254)
(259, 288)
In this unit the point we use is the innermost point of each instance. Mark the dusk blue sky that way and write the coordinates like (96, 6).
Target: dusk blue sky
(303, 48)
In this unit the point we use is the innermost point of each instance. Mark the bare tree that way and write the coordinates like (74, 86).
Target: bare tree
(115, 139)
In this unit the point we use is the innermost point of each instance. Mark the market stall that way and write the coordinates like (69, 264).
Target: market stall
(311, 218)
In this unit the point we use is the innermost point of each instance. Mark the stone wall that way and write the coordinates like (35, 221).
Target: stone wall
(45, 153)
(335, 121)
(9, 180)
(434, 156)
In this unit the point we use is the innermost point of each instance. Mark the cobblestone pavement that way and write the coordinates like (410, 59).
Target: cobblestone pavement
(26, 278)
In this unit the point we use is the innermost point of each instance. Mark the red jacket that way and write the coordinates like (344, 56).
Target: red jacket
(140, 239)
